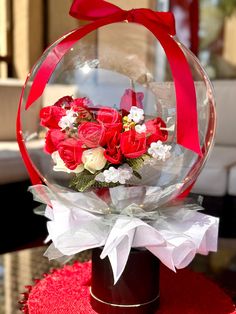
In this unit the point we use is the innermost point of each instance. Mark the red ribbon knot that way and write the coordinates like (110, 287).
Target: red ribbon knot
(130, 16)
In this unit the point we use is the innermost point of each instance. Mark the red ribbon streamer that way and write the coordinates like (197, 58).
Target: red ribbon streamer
(162, 25)
(32, 171)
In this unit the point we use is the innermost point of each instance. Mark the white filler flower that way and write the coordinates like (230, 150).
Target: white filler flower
(140, 128)
(159, 151)
(113, 175)
(68, 120)
(136, 114)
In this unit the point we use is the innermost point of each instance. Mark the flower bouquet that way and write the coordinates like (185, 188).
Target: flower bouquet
(118, 157)
(103, 147)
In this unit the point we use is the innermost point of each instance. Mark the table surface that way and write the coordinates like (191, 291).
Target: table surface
(18, 269)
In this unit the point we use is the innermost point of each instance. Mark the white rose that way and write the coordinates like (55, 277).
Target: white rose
(93, 159)
(59, 164)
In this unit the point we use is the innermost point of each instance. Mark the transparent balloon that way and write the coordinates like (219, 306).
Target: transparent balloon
(100, 72)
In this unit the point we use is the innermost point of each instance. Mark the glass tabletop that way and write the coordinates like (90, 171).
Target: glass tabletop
(18, 269)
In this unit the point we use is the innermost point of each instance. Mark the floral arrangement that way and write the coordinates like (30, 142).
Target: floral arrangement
(112, 156)
(126, 171)
(103, 147)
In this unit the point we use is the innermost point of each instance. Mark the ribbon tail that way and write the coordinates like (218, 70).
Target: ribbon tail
(33, 173)
(48, 66)
(57, 53)
(186, 103)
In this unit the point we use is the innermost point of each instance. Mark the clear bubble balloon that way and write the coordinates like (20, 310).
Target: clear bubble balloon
(107, 117)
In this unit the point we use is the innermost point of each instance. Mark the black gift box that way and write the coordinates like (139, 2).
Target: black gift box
(136, 291)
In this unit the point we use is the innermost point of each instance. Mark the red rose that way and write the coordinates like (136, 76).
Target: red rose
(91, 134)
(51, 115)
(111, 130)
(154, 131)
(80, 102)
(131, 98)
(64, 102)
(52, 140)
(133, 144)
(70, 151)
(113, 152)
(113, 155)
(79, 105)
(108, 116)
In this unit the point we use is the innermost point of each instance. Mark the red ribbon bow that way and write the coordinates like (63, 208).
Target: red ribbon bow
(162, 25)
(98, 9)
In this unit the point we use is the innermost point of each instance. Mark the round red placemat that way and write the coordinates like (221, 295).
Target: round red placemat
(66, 291)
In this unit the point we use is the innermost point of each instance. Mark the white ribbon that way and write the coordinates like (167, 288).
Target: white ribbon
(80, 221)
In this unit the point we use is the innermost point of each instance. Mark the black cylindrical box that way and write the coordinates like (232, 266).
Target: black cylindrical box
(137, 290)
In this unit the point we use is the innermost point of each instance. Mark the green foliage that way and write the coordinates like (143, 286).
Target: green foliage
(137, 174)
(85, 180)
(82, 181)
(137, 163)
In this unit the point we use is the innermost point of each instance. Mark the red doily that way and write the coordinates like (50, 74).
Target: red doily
(66, 291)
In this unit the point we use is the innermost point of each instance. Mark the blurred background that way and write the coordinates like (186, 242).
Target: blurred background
(27, 27)
(207, 27)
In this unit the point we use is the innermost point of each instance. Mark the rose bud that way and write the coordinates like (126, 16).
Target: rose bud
(107, 115)
(155, 132)
(94, 159)
(51, 115)
(131, 98)
(70, 151)
(53, 138)
(133, 144)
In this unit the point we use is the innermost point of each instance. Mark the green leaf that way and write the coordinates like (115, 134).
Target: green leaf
(135, 163)
(99, 184)
(137, 174)
(83, 181)
(145, 157)
(86, 180)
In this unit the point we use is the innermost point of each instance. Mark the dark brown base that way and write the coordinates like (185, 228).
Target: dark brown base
(137, 290)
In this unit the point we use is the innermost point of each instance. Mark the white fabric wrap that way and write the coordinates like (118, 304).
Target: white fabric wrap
(80, 221)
